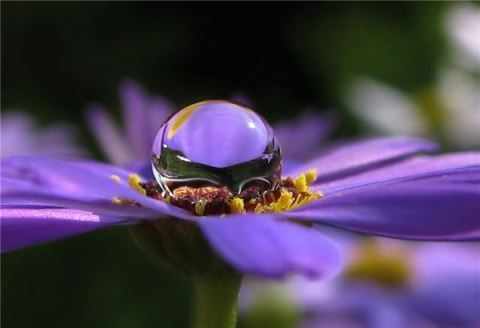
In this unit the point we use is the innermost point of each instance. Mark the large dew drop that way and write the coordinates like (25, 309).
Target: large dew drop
(216, 143)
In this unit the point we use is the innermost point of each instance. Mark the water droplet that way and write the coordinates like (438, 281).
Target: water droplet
(216, 143)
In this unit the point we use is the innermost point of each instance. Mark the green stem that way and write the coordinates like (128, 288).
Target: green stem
(216, 301)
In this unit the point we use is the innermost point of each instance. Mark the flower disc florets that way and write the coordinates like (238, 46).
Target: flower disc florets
(287, 194)
(386, 267)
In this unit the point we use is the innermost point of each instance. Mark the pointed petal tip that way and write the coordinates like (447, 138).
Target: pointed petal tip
(130, 85)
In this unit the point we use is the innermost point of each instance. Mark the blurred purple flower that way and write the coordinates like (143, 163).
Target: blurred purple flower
(143, 114)
(142, 117)
(442, 289)
(20, 135)
(446, 288)
(308, 130)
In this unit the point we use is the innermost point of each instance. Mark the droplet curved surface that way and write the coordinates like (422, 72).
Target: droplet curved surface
(215, 142)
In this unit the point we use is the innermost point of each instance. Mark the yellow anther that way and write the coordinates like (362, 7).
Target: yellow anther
(237, 205)
(386, 267)
(134, 181)
(283, 203)
(311, 176)
(115, 178)
(200, 207)
(117, 201)
(301, 183)
(259, 208)
(124, 201)
(290, 200)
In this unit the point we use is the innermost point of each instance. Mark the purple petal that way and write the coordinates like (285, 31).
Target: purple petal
(142, 168)
(108, 136)
(261, 245)
(143, 116)
(77, 184)
(363, 155)
(441, 204)
(136, 117)
(289, 166)
(25, 227)
(417, 166)
(301, 138)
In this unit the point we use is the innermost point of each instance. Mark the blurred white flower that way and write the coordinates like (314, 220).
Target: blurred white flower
(459, 93)
(463, 26)
(385, 109)
(388, 111)
(450, 108)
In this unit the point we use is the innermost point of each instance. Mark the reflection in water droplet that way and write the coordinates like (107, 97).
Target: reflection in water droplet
(216, 143)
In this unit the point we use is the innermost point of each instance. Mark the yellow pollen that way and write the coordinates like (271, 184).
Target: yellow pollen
(134, 181)
(284, 202)
(311, 176)
(115, 178)
(124, 201)
(200, 207)
(287, 200)
(237, 205)
(386, 267)
(301, 183)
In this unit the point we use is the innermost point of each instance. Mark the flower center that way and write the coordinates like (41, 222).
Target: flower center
(385, 267)
(287, 194)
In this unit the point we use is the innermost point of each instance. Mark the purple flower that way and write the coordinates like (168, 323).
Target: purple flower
(387, 284)
(378, 186)
(20, 135)
(143, 114)
(452, 297)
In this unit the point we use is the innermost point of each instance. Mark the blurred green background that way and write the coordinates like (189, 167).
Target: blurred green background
(59, 57)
